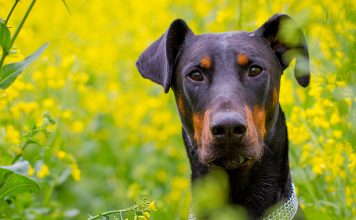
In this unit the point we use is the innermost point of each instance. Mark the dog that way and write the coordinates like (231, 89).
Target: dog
(226, 86)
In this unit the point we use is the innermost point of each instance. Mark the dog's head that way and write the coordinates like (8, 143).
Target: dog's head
(227, 84)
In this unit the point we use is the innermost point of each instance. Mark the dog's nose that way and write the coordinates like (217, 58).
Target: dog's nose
(228, 127)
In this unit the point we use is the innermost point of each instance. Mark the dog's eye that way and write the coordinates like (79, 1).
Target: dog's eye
(196, 76)
(254, 71)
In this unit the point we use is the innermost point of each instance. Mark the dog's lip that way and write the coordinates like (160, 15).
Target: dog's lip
(231, 163)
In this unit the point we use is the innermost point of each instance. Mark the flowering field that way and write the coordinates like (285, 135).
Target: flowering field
(96, 137)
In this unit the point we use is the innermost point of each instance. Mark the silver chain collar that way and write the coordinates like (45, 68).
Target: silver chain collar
(286, 212)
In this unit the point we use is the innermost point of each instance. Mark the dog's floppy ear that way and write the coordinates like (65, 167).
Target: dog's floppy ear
(287, 41)
(157, 61)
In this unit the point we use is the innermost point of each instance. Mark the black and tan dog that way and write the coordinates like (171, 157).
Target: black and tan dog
(227, 90)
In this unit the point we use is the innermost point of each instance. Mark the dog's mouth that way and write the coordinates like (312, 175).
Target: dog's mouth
(231, 163)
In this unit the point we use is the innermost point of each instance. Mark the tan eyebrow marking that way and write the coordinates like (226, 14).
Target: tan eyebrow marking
(205, 62)
(242, 59)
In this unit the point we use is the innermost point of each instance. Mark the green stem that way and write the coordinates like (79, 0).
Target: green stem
(113, 212)
(18, 28)
(33, 132)
(12, 10)
(22, 22)
(4, 54)
(49, 192)
(22, 149)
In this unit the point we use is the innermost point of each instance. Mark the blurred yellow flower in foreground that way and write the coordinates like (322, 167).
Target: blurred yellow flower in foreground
(43, 172)
(152, 206)
(75, 172)
(147, 215)
(30, 171)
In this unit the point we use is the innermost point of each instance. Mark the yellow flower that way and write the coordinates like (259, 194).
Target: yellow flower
(221, 15)
(48, 103)
(77, 126)
(180, 183)
(317, 169)
(67, 114)
(56, 83)
(352, 161)
(31, 170)
(318, 165)
(75, 172)
(341, 83)
(61, 154)
(348, 101)
(26, 107)
(67, 61)
(147, 215)
(337, 133)
(335, 118)
(12, 135)
(43, 172)
(152, 206)
(348, 196)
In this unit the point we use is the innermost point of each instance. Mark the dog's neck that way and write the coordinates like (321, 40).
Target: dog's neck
(268, 181)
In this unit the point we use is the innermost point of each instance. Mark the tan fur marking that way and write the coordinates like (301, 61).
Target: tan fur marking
(206, 133)
(254, 138)
(251, 128)
(181, 105)
(198, 125)
(242, 59)
(274, 96)
(205, 62)
(259, 117)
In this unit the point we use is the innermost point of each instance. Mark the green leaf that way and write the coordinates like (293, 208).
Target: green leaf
(11, 71)
(12, 183)
(5, 39)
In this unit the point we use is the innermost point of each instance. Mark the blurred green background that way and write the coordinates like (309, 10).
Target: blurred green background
(117, 136)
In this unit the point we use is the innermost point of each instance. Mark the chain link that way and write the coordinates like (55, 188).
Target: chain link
(288, 210)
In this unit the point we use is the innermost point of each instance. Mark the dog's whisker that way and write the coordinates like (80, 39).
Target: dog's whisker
(269, 149)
